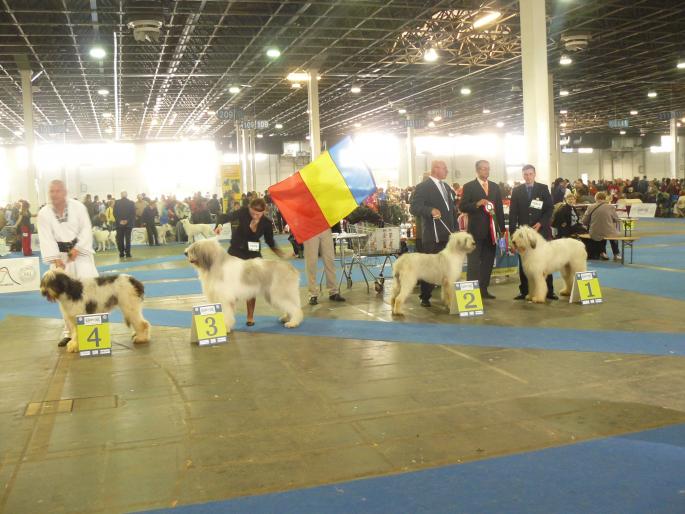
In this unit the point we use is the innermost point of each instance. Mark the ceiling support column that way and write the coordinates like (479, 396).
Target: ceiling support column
(411, 152)
(313, 100)
(27, 98)
(673, 161)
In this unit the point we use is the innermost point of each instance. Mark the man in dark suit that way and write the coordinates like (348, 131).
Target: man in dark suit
(434, 203)
(475, 197)
(124, 220)
(531, 204)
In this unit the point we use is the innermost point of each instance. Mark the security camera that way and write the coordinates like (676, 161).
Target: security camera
(145, 31)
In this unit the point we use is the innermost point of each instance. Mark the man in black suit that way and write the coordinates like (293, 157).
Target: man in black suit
(434, 203)
(474, 200)
(531, 204)
(125, 220)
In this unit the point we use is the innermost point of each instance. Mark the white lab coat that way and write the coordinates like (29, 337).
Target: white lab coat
(77, 226)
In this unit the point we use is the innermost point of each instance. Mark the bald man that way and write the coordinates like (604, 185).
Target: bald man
(433, 204)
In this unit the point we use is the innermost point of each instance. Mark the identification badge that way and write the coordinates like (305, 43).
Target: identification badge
(536, 204)
(253, 246)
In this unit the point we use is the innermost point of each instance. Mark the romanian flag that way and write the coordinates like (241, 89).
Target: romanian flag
(325, 191)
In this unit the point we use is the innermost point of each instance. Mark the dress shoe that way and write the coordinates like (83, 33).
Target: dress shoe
(250, 323)
(64, 341)
(487, 296)
(552, 297)
(425, 303)
(336, 298)
(520, 297)
(313, 300)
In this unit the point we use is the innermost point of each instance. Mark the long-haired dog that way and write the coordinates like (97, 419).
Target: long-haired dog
(99, 294)
(226, 279)
(195, 229)
(104, 239)
(539, 258)
(443, 269)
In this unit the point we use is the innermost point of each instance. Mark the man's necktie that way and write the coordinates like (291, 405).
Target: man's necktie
(443, 189)
(485, 187)
(530, 192)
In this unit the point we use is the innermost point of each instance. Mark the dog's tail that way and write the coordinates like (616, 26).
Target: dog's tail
(138, 286)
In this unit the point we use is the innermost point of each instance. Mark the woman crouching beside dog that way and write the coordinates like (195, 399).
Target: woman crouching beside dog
(248, 225)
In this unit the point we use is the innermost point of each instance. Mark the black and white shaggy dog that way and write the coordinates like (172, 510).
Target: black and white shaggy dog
(226, 279)
(99, 294)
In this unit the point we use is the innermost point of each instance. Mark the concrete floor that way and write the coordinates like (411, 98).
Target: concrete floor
(170, 423)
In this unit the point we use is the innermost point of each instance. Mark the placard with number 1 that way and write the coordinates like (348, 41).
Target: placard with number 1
(586, 288)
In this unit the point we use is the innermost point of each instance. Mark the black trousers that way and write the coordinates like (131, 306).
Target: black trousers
(480, 262)
(614, 246)
(152, 238)
(523, 286)
(429, 247)
(124, 240)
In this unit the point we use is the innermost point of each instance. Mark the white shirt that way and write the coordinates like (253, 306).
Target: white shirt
(76, 226)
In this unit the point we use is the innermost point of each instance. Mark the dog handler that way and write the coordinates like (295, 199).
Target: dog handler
(66, 237)
(248, 225)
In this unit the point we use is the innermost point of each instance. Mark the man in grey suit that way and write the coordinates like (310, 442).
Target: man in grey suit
(434, 203)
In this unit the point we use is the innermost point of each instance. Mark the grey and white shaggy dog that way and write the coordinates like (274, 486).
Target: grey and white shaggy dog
(226, 279)
(100, 294)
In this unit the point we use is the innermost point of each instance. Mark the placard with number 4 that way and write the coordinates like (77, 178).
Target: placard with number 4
(92, 333)
(209, 326)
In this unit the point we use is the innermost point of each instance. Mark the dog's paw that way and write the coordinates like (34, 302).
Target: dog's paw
(291, 324)
(284, 318)
(565, 292)
(140, 339)
(72, 346)
(528, 297)
(536, 299)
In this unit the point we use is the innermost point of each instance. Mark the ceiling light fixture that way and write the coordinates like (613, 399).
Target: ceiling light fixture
(486, 19)
(260, 136)
(563, 92)
(486, 111)
(355, 89)
(97, 52)
(562, 124)
(357, 125)
(437, 118)
(298, 76)
(279, 126)
(431, 124)
(652, 94)
(465, 91)
(296, 85)
(430, 55)
(633, 112)
(234, 90)
(402, 111)
(500, 124)
(273, 53)
(681, 64)
(563, 111)
(103, 92)
(565, 60)
(211, 113)
(622, 132)
(106, 114)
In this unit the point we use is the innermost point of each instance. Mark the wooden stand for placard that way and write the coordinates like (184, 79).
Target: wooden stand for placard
(469, 300)
(208, 325)
(93, 336)
(586, 289)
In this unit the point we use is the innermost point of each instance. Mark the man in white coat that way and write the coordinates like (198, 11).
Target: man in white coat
(66, 237)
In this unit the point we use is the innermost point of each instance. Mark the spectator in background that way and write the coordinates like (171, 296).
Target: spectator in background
(149, 218)
(109, 215)
(214, 206)
(601, 219)
(140, 207)
(201, 214)
(125, 219)
(182, 211)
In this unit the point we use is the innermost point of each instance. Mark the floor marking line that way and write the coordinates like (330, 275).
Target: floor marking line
(489, 366)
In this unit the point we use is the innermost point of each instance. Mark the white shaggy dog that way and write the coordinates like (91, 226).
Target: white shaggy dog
(443, 269)
(195, 229)
(99, 294)
(104, 239)
(226, 279)
(539, 258)
(162, 232)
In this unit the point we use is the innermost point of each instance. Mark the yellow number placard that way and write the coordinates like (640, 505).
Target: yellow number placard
(92, 333)
(587, 287)
(469, 300)
(209, 326)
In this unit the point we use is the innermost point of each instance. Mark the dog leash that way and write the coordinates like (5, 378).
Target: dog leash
(435, 228)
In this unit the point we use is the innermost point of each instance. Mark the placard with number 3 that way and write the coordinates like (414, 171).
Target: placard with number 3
(209, 326)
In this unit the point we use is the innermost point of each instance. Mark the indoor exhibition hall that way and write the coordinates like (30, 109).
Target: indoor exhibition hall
(342, 256)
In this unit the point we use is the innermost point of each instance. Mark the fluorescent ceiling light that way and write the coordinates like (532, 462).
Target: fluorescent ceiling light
(357, 125)
(431, 55)
(279, 126)
(431, 124)
(298, 76)
(355, 89)
(622, 132)
(500, 124)
(211, 113)
(465, 91)
(97, 52)
(563, 92)
(153, 123)
(106, 114)
(103, 92)
(565, 60)
(652, 94)
(486, 111)
(563, 111)
(259, 136)
(562, 124)
(402, 111)
(486, 19)
(437, 118)
(273, 53)
(681, 64)
(633, 112)
(234, 90)
(18, 133)
(585, 150)
(108, 130)
(296, 85)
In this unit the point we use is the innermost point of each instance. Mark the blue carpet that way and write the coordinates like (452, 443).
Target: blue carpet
(28, 304)
(640, 280)
(638, 473)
